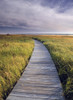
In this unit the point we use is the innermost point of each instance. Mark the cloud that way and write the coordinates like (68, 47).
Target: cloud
(44, 15)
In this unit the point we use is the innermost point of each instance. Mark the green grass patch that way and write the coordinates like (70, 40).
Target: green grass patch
(15, 51)
(61, 50)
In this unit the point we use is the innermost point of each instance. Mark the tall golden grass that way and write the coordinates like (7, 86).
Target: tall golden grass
(61, 50)
(15, 51)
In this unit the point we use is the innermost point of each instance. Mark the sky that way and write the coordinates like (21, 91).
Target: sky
(36, 16)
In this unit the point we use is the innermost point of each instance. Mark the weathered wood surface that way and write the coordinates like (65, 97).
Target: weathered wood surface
(40, 80)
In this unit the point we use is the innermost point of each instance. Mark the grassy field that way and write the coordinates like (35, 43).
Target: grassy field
(14, 55)
(15, 51)
(61, 50)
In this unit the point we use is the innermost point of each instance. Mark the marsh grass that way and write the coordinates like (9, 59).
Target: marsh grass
(15, 51)
(61, 50)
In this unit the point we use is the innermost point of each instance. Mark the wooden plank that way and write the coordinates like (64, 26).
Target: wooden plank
(40, 79)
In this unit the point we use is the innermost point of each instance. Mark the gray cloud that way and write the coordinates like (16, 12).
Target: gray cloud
(36, 16)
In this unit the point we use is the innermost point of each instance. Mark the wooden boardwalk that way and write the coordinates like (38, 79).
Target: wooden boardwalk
(40, 80)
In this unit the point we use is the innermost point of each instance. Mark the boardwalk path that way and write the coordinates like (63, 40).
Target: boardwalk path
(40, 80)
